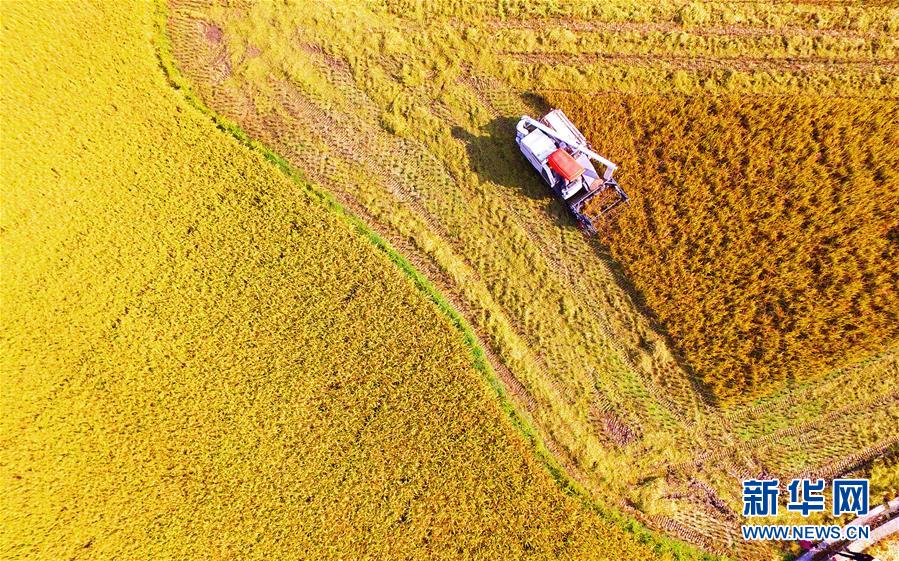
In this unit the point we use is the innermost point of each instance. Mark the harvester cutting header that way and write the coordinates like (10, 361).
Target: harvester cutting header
(560, 153)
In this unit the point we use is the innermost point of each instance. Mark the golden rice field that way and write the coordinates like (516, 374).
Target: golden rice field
(764, 232)
(406, 113)
(202, 357)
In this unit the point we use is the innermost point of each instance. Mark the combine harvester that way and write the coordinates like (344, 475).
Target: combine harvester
(558, 150)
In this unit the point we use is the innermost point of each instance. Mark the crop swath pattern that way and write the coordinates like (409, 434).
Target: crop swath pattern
(204, 356)
(407, 117)
(762, 232)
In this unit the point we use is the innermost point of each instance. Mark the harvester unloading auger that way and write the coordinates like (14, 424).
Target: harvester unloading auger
(560, 153)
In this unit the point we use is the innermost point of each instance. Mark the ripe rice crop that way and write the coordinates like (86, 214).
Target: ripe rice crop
(199, 359)
(763, 231)
(407, 115)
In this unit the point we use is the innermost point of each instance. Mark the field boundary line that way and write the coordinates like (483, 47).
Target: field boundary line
(800, 431)
(696, 63)
(659, 542)
(808, 390)
(735, 29)
(745, 95)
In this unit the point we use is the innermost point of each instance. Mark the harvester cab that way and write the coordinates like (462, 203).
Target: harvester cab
(560, 153)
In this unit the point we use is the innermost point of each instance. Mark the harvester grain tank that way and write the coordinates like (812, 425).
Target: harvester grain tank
(560, 153)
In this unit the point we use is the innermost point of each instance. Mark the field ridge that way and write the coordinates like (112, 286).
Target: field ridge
(412, 129)
(664, 545)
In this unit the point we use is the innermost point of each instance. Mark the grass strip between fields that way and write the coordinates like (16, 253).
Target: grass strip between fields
(662, 544)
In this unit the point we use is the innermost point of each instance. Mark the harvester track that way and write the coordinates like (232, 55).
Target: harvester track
(619, 408)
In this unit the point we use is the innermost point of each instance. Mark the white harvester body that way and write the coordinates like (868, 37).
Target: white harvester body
(560, 153)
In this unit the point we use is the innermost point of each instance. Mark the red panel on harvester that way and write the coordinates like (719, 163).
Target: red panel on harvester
(562, 163)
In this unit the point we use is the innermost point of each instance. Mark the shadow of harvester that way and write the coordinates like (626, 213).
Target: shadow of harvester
(494, 156)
